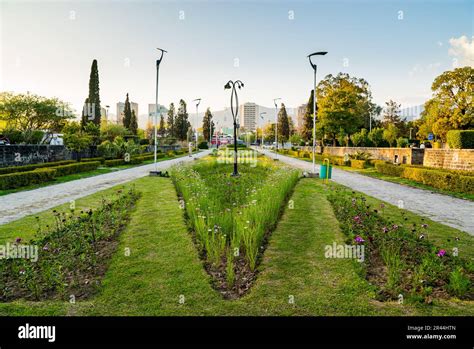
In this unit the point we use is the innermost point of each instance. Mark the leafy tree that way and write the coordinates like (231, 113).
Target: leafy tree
(451, 107)
(75, 138)
(171, 121)
(28, 113)
(376, 136)
(133, 123)
(181, 121)
(93, 130)
(162, 130)
(269, 132)
(360, 138)
(127, 113)
(111, 131)
(390, 134)
(342, 137)
(391, 114)
(92, 108)
(296, 139)
(344, 102)
(283, 125)
(207, 124)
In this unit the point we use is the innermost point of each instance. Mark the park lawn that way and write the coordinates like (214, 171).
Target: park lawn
(372, 172)
(163, 266)
(72, 177)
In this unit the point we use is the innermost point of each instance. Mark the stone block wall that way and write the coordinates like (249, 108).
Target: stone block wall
(452, 159)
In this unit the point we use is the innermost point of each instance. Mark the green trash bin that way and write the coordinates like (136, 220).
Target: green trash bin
(323, 169)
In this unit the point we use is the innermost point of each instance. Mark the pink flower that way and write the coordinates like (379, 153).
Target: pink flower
(357, 220)
(385, 229)
(441, 253)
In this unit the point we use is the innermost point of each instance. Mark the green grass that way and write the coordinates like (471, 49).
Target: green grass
(163, 265)
(81, 175)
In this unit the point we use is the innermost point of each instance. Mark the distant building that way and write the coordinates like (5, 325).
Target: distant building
(151, 112)
(300, 112)
(248, 116)
(120, 109)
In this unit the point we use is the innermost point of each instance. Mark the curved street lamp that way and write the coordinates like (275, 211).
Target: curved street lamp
(158, 61)
(234, 98)
(315, 68)
(261, 117)
(198, 101)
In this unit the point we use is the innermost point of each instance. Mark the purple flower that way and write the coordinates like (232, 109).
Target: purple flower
(424, 225)
(441, 253)
(385, 229)
(394, 227)
(357, 220)
(18, 240)
(359, 239)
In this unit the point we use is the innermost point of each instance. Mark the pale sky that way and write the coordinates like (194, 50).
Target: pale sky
(398, 46)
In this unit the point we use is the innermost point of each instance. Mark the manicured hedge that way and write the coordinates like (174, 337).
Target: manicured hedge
(441, 179)
(358, 163)
(25, 168)
(100, 159)
(21, 179)
(76, 168)
(389, 169)
(461, 139)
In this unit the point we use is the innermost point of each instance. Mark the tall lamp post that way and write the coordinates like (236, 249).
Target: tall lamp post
(261, 117)
(158, 61)
(315, 68)
(198, 101)
(276, 126)
(234, 98)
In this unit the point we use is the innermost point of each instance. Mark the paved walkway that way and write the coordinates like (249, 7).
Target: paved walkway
(456, 213)
(17, 205)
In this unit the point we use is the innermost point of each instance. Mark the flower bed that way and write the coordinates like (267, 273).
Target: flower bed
(399, 258)
(72, 256)
(231, 217)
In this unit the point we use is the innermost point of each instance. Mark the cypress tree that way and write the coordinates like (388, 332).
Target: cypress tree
(162, 130)
(171, 121)
(182, 123)
(307, 131)
(133, 123)
(206, 124)
(94, 98)
(283, 125)
(127, 113)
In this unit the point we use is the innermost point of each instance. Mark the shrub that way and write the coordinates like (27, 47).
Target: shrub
(389, 169)
(358, 163)
(101, 160)
(461, 139)
(361, 155)
(203, 145)
(22, 179)
(65, 170)
(114, 162)
(25, 168)
(402, 142)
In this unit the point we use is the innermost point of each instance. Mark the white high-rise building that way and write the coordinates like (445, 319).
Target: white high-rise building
(120, 109)
(151, 112)
(300, 112)
(248, 116)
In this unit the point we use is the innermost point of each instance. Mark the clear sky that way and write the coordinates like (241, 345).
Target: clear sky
(47, 47)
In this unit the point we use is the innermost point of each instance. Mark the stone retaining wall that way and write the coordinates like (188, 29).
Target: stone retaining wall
(453, 159)
(410, 156)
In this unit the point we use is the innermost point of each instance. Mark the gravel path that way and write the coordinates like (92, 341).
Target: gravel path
(17, 205)
(456, 213)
